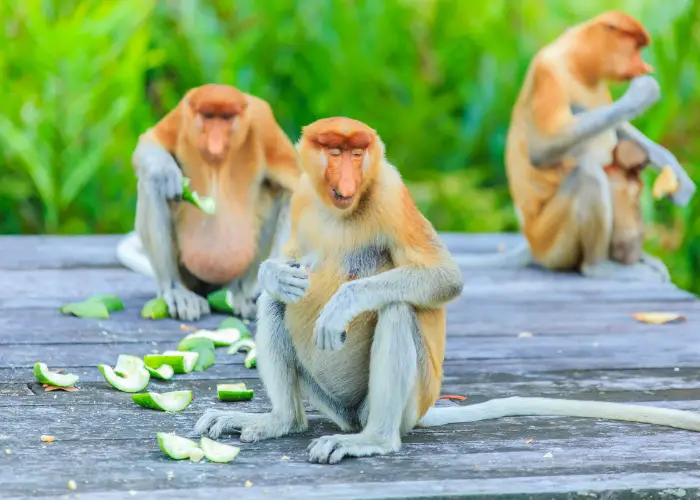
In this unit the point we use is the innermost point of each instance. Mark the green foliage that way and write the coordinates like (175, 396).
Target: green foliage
(81, 80)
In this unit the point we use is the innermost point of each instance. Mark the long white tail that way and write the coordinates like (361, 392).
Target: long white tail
(545, 407)
(514, 258)
(130, 254)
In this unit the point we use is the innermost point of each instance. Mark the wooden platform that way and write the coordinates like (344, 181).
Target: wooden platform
(584, 344)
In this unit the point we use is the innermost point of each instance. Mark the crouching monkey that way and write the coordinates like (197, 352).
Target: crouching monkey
(230, 146)
(352, 316)
(576, 208)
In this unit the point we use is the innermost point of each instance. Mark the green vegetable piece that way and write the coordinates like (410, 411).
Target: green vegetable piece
(234, 392)
(203, 346)
(133, 382)
(45, 376)
(166, 401)
(251, 360)
(111, 302)
(181, 362)
(128, 365)
(217, 301)
(86, 309)
(163, 372)
(178, 447)
(244, 345)
(236, 323)
(218, 452)
(206, 204)
(155, 309)
(221, 338)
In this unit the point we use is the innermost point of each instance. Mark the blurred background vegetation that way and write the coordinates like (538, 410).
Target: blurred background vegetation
(80, 80)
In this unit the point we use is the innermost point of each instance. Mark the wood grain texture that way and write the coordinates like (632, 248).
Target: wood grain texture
(584, 345)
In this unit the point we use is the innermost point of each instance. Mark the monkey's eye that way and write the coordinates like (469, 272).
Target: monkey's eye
(228, 116)
(357, 152)
(610, 27)
(334, 151)
(208, 116)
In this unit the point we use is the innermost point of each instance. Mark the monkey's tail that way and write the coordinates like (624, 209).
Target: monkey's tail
(514, 258)
(545, 407)
(130, 254)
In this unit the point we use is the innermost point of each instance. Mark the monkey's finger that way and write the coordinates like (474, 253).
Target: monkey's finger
(295, 282)
(292, 273)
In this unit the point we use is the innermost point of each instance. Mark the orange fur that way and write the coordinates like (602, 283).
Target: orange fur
(572, 70)
(251, 147)
(382, 210)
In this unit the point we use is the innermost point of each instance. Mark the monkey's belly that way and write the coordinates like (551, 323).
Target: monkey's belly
(343, 374)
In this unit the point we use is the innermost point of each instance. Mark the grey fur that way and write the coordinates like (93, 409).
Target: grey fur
(285, 280)
(643, 92)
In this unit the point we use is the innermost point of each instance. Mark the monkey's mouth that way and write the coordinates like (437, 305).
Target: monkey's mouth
(340, 197)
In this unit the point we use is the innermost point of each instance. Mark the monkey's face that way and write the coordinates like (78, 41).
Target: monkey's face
(345, 165)
(621, 42)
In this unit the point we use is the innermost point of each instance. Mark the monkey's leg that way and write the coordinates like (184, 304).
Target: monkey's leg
(243, 292)
(155, 228)
(278, 368)
(392, 391)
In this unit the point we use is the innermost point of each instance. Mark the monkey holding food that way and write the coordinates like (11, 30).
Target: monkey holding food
(230, 146)
(577, 204)
(352, 314)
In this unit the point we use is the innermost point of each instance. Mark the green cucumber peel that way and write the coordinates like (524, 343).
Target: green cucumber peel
(218, 452)
(86, 309)
(245, 345)
(181, 362)
(204, 347)
(155, 309)
(234, 392)
(235, 323)
(110, 301)
(177, 447)
(217, 301)
(206, 204)
(128, 365)
(251, 359)
(163, 372)
(45, 376)
(167, 401)
(220, 338)
(133, 382)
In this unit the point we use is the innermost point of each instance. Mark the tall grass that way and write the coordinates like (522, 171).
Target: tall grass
(80, 80)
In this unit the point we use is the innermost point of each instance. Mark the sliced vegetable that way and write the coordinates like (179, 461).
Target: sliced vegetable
(128, 364)
(111, 302)
(236, 323)
(206, 204)
(181, 362)
(86, 309)
(234, 392)
(217, 301)
(251, 360)
(166, 401)
(245, 345)
(218, 452)
(175, 446)
(666, 183)
(196, 455)
(658, 318)
(204, 347)
(133, 382)
(163, 372)
(45, 376)
(155, 309)
(221, 338)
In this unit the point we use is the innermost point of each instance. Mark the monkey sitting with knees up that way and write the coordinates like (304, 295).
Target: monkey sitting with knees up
(232, 149)
(352, 316)
(560, 145)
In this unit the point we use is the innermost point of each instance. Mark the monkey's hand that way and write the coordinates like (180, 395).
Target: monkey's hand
(157, 169)
(283, 279)
(642, 93)
(339, 311)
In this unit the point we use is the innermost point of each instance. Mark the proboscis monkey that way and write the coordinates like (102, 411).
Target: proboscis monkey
(352, 315)
(564, 129)
(232, 149)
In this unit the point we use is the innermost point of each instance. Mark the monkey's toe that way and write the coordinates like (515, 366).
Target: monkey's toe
(185, 304)
(332, 449)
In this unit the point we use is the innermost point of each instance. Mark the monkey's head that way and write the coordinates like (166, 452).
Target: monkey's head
(616, 41)
(218, 120)
(341, 156)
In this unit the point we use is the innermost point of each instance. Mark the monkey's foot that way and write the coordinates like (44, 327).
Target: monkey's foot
(251, 426)
(332, 449)
(185, 304)
(244, 306)
(648, 269)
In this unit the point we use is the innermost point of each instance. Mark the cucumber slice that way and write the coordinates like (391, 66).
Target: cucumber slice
(175, 446)
(86, 309)
(217, 301)
(166, 401)
(128, 365)
(251, 360)
(204, 347)
(133, 382)
(155, 309)
(245, 345)
(235, 323)
(206, 204)
(110, 301)
(181, 362)
(44, 376)
(234, 392)
(163, 372)
(218, 452)
(221, 338)
(196, 455)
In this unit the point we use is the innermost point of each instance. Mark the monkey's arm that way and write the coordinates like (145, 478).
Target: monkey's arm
(660, 157)
(554, 130)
